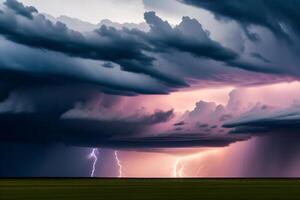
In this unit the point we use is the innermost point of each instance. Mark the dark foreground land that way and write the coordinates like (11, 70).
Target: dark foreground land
(152, 189)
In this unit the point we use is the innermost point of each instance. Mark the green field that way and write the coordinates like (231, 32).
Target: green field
(152, 189)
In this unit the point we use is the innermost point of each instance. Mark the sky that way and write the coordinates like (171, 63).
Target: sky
(173, 88)
(93, 11)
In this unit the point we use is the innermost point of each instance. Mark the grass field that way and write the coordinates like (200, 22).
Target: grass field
(152, 189)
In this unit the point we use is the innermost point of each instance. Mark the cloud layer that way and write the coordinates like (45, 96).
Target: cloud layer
(43, 59)
(150, 55)
(282, 18)
(265, 120)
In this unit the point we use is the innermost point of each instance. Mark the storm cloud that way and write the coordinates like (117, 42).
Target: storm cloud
(101, 123)
(21, 66)
(188, 36)
(19, 8)
(280, 17)
(92, 62)
(264, 120)
(123, 86)
(110, 45)
(109, 133)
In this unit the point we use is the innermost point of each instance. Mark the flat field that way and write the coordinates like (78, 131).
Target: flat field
(152, 189)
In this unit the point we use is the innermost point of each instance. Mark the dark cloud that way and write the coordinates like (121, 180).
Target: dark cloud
(254, 37)
(178, 129)
(35, 125)
(98, 123)
(181, 123)
(19, 8)
(92, 109)
(214, 126)
(108, 65)
(281, 17)
(104, 43)
(260, 57)
(111, 133)
(188, 36)
(22, 66)
(110, 45)
(203, 125)
(43, 99)
(266, 121)
(158, 117)
(177, 140)
(203, 72)
(262, 67)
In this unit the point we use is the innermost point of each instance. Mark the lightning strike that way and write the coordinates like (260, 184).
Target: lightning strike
(178, 166)
(94, 155)
(118, 163)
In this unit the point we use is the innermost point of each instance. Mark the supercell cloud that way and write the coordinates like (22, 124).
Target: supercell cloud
(66, 82)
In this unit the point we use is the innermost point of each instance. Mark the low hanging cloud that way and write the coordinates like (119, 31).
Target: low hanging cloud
(32, 126)
(175, 140)
(267, 120)
(22, 66)
(111, 133)
(101, 123)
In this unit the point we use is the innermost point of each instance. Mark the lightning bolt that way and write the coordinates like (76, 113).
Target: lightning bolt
(118, 163)
(94, 155)
(178, 166)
